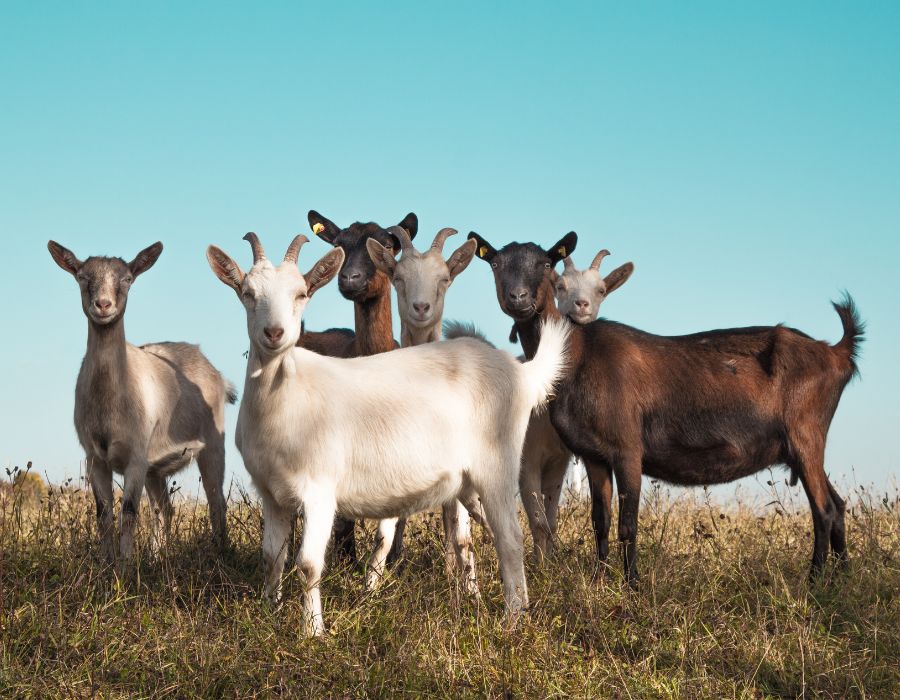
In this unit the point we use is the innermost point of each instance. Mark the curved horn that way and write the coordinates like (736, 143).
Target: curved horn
(568, 264)
(402, 236)
(258, 252)
(294, 248)
(598, 258)
(442, 237)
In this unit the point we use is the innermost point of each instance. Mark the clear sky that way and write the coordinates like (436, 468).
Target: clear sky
(746, 157)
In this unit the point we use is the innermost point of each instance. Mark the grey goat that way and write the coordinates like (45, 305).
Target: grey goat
(144, 412)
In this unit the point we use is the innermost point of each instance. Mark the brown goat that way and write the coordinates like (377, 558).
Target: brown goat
(370, 291)
(706, 408)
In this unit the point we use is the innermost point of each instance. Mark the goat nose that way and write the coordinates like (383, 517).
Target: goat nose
(518, 295)
(582, 305)
(351, 276)
(274, 334)
(421, 307)
(103, 304)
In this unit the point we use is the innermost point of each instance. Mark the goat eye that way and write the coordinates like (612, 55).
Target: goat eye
(547, 265)
(494, 264)
(302, 295)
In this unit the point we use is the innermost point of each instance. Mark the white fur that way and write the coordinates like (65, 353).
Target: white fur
(382, 436)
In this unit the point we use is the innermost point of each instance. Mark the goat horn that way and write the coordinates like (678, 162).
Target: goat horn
(258, 252)
(567, 263)
(402, 236)
(294, 248)
(598, 258)
(442, 237)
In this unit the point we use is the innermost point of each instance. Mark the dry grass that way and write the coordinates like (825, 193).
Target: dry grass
(724, 610)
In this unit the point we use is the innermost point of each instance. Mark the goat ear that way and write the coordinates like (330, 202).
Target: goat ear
(324, 270)
(144, 260)
(225, 268)
(484, 250)
(461, 257)
(563, 248)
(618, 277)
(382, 258)
(411, 224)
(64, 257)
(324, 228)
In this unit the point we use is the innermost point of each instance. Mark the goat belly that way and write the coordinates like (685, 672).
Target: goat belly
(396, 495)
(711, 454)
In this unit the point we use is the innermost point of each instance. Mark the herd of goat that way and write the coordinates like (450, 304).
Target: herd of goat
(342, 424)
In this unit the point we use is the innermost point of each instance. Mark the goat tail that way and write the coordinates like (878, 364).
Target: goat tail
(231, 395)
(854, 331)
(549, 363)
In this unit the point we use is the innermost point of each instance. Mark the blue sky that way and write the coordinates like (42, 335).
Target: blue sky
(746, 157)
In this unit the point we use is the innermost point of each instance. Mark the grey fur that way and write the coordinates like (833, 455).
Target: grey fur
(145, 412)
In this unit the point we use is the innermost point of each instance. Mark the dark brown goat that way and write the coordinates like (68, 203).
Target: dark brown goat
(698, 409)
(370, 291)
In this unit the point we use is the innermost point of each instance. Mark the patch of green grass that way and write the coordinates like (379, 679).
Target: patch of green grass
(723, 610)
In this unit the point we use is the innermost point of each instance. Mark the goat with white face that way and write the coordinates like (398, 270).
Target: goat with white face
(144, 412)
(579, 293)
(381, 436)
(422, 281)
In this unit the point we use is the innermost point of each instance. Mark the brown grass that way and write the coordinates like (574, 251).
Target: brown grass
(724, 610)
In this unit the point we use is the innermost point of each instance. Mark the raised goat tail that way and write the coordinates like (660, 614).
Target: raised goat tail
(545, 370)
(854, 331)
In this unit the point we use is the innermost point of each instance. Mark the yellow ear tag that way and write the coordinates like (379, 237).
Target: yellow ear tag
(482, 251)
(562, 250)
(318, 227)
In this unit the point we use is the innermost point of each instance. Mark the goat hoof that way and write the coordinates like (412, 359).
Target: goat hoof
(601, 572)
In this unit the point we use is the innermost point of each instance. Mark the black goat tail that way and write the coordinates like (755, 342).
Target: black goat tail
(854, 330)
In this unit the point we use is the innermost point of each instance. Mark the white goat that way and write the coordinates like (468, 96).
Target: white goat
(375, 437)
(422, 281)
(545, 460)
(144, 412)
(579, 293)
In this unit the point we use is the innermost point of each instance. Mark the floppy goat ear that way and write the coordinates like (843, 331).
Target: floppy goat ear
(618, 277)
(461, 257)
(225, 268)
(146, 259)
(484, 250)
(64, 257)
(324, 228)
(324, 270)
(382, 258)
(563, 248)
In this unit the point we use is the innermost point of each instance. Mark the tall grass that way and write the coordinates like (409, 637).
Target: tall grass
(723, 610)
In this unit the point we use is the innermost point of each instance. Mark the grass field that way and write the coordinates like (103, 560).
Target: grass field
(723, 610)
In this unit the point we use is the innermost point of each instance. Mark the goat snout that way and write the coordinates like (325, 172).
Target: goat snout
(582, 305)
(351, 276)
(421, 307)
(102, 304)
(518, 296)
(274, 334)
